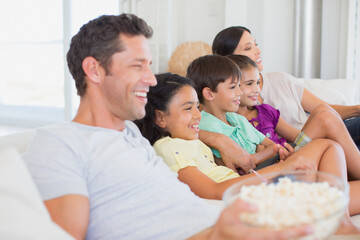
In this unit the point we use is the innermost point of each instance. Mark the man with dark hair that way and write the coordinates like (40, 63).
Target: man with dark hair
(99, 178)
(100, 42)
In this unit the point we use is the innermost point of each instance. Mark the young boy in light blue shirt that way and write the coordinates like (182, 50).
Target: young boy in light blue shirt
(217, 83)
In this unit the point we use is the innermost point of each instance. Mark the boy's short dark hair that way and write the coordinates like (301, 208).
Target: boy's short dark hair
(100, 39)
(209, 71)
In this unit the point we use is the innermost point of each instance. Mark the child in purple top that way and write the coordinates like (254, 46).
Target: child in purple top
(263, 117)
(323, 122)
(267, 120)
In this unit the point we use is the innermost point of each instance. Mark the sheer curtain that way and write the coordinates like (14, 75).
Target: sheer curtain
(353, 50)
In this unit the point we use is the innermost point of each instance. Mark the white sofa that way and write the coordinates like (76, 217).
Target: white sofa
(335, 91)
(23, 214)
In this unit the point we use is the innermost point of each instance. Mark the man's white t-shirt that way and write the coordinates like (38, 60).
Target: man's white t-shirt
(132, 193)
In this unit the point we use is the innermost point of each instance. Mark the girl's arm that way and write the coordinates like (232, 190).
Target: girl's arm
(286, 131)
(309, 101)
(204, 186)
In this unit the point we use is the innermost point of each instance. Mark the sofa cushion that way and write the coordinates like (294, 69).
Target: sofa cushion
(334, 91)
(23, 214)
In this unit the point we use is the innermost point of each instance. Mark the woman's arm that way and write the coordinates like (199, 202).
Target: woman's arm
(309, 102)
(347, 111)
(286, 131)
(231, 153)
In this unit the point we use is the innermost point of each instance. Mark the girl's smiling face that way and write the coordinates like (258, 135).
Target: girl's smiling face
(250, 86)
(183, 116)
(227, 96)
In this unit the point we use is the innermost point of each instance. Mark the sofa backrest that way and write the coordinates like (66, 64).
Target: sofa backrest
(20, 141)
(335, 91)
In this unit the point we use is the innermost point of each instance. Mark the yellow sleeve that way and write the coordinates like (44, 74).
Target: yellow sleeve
(173, 154)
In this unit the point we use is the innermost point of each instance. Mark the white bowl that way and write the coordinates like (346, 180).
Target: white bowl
(293, 198)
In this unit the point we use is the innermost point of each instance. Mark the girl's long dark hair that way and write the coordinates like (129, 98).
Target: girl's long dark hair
(159, 97)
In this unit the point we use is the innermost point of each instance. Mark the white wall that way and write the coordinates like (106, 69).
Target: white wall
(271, 23)
(196, 20)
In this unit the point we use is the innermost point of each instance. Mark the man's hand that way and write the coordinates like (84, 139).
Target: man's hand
(229, 226)
(232, 154)
(236, 157)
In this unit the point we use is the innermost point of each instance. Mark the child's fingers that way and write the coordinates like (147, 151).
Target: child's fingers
(276, 148)
(289, 148)
(286, 152)
(283, 154)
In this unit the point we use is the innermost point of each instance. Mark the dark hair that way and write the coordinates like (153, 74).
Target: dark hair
(227, 40)
(243, 62)
(100, 38)
(159, 97)
(209, 71)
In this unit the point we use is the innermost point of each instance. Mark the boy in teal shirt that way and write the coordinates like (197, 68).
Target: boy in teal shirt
(239, 130)
(217, 83)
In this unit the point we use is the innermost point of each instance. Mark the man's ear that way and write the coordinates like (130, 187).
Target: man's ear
(160, 118)
(208, 94)
(92, 69)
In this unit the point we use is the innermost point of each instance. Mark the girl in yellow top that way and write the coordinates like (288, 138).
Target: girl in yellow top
(172, 125)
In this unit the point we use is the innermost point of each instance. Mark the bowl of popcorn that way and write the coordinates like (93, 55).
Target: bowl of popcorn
(293, 198)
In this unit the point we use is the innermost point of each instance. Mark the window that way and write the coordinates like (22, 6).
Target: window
(36, 87)
(31, 58)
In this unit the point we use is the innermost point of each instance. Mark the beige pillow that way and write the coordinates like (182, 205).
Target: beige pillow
(184, 54)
